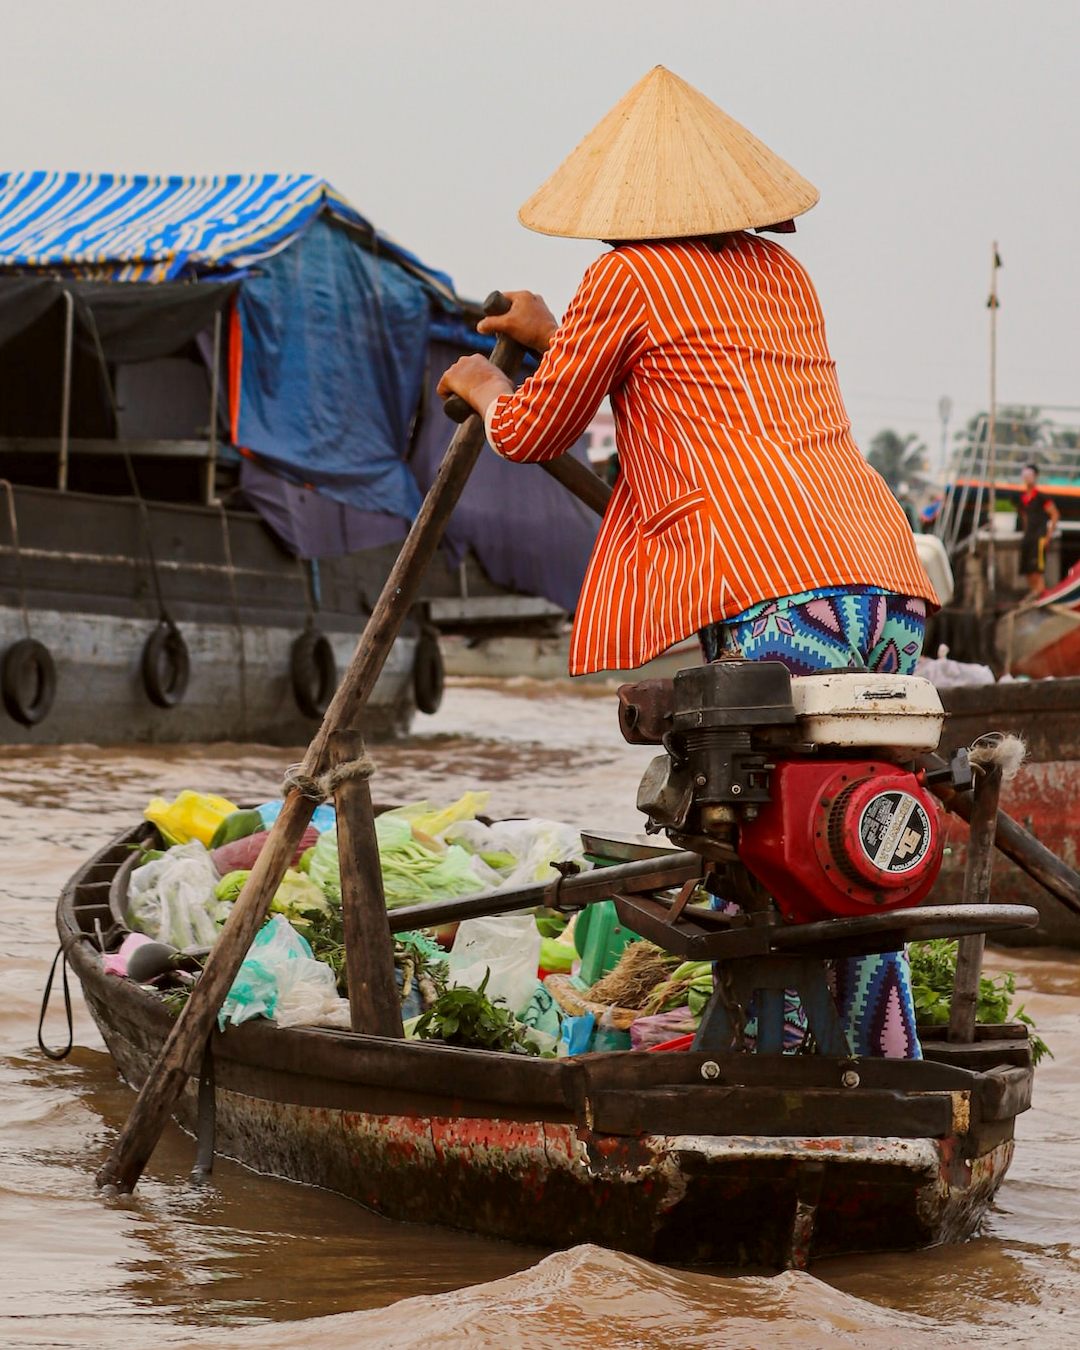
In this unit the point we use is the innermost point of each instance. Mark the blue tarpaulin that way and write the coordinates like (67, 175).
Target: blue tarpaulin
(335, 344)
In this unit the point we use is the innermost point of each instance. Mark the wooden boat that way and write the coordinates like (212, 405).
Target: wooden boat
(1042, 639)
(692, 1157)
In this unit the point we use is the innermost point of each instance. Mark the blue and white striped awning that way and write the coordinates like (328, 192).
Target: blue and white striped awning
(135, 227)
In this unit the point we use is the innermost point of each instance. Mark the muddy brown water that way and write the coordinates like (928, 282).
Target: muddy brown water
(253, 1261)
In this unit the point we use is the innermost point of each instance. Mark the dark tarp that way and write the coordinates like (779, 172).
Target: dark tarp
(334, 347)
(23, 300)
(309, 523)
(528, 533)
(145, 323)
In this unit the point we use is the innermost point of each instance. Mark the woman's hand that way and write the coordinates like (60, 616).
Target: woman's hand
(477, 381)
(528, 321)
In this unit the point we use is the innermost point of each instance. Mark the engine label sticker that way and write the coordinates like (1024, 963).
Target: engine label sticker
(895, 831)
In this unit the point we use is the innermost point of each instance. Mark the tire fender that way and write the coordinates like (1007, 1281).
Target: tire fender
(314, 672)
(166, 665)
(28, 681)
(429, 674)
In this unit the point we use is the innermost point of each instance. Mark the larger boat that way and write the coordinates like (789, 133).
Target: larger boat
(217, 418)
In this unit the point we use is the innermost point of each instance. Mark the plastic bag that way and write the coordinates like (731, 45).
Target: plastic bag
(172, 898)
(280, 979)
(433, 821)
(576, 1037)
(530, 845)
(323, 817)
(194, 815)
(661, 1027)
(242, 854)
(541, 1012)
(944, 673)
(507, 945)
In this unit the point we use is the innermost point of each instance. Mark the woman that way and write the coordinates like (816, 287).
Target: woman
(744, 510)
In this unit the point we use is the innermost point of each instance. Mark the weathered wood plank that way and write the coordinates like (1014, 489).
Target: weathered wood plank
(772, 1111)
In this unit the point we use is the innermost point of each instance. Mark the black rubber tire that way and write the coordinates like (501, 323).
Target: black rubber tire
(166, 665)
(28, 681)
(314, 672)
(429, 674)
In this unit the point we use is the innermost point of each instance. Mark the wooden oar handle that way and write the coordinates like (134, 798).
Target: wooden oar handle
(455, 406)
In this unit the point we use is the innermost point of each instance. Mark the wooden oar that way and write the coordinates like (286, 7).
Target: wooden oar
(182, 1051)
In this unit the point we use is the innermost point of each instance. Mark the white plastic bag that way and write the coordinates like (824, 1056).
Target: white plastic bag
(533, 845)
(945, 673)
(507, 945)
(172, 898)
(280, 979)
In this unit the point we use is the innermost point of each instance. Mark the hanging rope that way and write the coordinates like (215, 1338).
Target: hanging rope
(133, 481)
(47, 1051)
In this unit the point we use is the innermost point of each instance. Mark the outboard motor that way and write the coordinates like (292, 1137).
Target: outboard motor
(809, 782)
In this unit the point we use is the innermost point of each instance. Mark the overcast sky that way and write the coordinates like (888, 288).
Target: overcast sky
(931, 127)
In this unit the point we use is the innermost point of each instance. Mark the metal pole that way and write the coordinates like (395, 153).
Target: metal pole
(65, 395)
(944, 408)
(991, 449)
(215, 369)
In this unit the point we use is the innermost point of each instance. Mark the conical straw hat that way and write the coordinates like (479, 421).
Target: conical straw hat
(666, 163)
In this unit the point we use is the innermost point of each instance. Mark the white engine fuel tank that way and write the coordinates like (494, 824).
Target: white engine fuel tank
(857, 709)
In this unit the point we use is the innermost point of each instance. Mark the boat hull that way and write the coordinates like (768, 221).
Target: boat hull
(617, 1149)
(101, 697)
(726, 1199)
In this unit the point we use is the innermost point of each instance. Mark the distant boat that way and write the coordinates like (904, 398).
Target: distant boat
(1042, 639)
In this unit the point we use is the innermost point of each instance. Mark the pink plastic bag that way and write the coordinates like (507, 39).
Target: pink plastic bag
(649, 1031)
(241, 854)
(116, 963)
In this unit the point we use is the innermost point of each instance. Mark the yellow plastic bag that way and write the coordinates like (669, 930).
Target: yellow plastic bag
(430, 821)
(194, 815)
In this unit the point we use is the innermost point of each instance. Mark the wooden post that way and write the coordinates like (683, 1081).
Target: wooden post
(179, 1055)
(977, 875)
(1052, 873)
(374, 1002)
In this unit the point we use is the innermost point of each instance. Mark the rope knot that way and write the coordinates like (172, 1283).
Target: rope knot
(323, 787)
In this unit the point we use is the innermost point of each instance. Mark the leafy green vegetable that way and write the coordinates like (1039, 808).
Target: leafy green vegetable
(933, 971)
(416, 955)
(689, 984)
(463, 1016)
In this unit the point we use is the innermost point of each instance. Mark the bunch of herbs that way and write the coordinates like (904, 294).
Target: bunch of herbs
(933, 972)
(467, 1017)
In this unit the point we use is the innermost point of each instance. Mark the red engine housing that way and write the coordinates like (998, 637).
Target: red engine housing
(843, 838)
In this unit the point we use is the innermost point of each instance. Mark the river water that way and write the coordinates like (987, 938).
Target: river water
(252, 1261)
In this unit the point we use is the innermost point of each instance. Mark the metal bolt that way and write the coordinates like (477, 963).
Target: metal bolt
(849, 1078)
(735, 789)
(710, 1069)
(700, 780)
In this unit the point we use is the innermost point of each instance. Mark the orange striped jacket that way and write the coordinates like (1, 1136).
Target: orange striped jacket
(739, 479)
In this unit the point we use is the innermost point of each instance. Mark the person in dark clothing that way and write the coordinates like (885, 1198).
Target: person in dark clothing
(1039, 519)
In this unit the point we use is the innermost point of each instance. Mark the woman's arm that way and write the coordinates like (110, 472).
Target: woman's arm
(603, 333)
